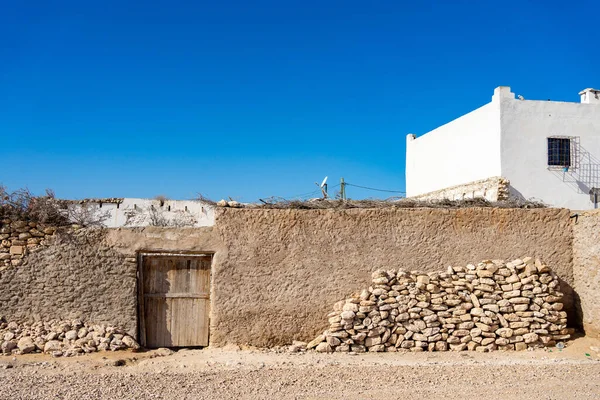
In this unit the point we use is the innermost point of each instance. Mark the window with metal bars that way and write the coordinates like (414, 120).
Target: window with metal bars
(559, 152)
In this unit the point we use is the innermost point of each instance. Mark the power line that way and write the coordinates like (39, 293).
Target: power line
(378, 190)
(308, 194)
(318, 191)
(305, 194)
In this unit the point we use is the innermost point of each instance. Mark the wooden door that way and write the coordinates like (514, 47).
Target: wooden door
(175, 300)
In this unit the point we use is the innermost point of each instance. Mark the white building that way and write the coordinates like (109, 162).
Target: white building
(546, 150)
(131, 212)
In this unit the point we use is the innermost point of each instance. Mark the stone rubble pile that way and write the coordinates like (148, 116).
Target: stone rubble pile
(19, 237)
(491, 306)
(231, 203)
(62, 338)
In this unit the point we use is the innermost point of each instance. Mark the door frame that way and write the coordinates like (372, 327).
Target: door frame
(141, 319)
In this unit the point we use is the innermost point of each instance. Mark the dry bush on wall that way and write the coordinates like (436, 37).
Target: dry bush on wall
(200, 197)
(21, 204)
(156, 215)
(86, 214)
(279, 203)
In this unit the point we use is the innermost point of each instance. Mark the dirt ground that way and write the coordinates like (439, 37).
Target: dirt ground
(571, 373)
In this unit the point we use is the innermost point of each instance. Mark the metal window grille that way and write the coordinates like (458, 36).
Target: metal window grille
(559, 152)
(562, 152)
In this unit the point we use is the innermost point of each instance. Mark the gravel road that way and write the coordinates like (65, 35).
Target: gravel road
(225, 374)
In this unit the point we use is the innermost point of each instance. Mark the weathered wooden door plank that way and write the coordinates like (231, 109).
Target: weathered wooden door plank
(176, 297)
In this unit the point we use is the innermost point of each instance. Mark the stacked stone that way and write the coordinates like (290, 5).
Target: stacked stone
(19, 237)
(62, 338)
(503, 189)
(491, 306)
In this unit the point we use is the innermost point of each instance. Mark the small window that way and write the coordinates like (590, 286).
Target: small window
(559, 152)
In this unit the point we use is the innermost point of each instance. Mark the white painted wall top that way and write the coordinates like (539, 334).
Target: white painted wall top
(508, 137)
(590, 96)
(134, 212)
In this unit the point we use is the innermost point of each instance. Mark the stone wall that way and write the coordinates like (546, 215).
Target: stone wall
(281, 270)
(491, 189)
(586, 269)
(18, 238)
(75, 277)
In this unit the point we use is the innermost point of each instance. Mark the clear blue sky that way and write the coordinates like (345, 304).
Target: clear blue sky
(250, 99)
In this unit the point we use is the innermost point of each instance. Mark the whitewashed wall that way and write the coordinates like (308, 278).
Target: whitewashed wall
(508, 137)
(174, 212)
(464, 150)
(526, 125)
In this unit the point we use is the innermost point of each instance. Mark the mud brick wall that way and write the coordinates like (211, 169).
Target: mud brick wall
(281, 270)
(586, 269)
(275, 273)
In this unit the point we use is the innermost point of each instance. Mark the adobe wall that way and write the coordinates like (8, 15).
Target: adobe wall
(586, 269)
(282, 270)
(276, 273)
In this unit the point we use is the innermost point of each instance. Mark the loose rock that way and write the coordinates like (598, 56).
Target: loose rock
(484, 307)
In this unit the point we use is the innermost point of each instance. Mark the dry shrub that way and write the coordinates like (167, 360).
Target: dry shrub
(86, 214)
(155, 215)
(47, 209)
(161, 198)
(23, 205)
(205, 199)
(394, 202)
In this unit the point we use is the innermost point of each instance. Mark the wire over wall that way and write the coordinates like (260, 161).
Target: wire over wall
(378, 190)
(317, 192)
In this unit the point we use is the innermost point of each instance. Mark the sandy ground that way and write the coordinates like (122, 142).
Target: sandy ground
(572, 373)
